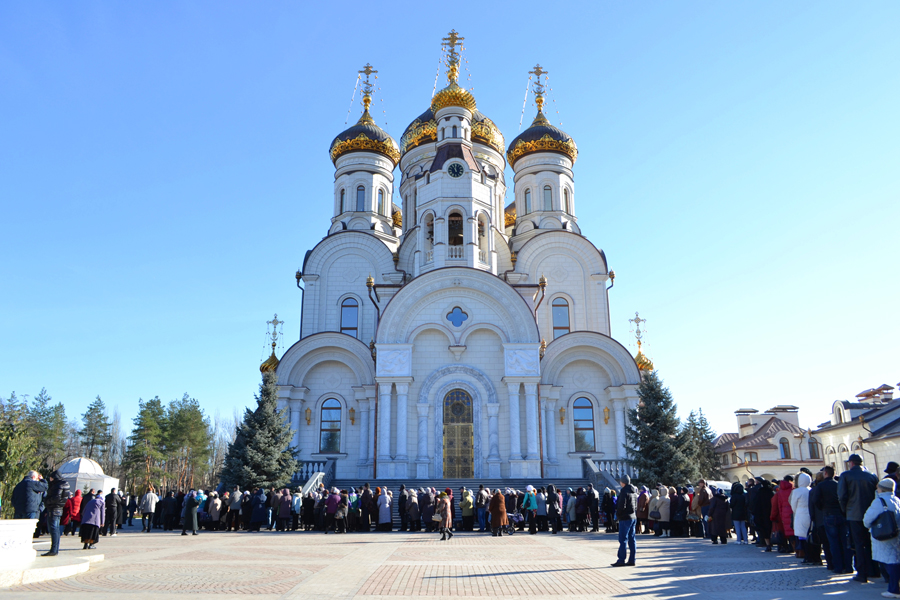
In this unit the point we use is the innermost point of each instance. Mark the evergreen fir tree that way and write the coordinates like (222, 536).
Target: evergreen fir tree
(260, 455)
(95, 435)
(687, 440)
(17, 448)
(146, 452)
(48, 428)
(707, 459)
(652, 436)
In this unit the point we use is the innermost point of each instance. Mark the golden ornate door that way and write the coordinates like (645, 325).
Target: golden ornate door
(459, 456)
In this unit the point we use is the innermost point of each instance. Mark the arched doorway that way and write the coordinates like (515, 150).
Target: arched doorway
(459, 457)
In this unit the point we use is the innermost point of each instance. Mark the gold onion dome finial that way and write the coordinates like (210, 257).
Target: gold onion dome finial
(643, 363)
(453, 94)
(365, 136)
(541, 136)
(271, 363)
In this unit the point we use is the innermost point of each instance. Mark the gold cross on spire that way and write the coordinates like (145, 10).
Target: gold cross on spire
(538, 89)
(367, 93)
(637, 320)
(368, 70)
(451, 41)
(275, 323)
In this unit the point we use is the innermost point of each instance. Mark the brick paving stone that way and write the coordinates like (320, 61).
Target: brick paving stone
(380, 566)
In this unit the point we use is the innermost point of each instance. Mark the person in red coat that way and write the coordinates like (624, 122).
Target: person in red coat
(71, 517)
(782, 514)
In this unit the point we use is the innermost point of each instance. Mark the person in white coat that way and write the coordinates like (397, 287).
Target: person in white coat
(385, 501)
(887, 552)
(799, 500)
(147, 507)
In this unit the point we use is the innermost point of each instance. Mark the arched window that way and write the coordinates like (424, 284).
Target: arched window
(566, 202)
(455, 230)
(360, 199)
(814, 453)
(350, 317)
(427, 178)
(560, 309)
(527, 201)
(330, 427)
(343, 206)
(734, 459)
(830, 456)
(454, 132)
(381, 208)
(443, 132)
(548, 198)
(785, 446)
(838, 416)
(724, 459)
(583, 418)
(844, 454)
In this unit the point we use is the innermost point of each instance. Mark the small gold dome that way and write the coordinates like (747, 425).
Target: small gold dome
(453, 95)
(270, 363)
(509, 215)
(643, 363)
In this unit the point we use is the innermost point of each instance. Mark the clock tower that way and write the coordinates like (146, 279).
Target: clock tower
(452, 184)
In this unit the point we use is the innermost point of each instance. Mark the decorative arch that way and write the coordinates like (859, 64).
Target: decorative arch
(481, 326)
(598, 405)
(606, 352)
(322, 347)
(432, 327)
(436, 386)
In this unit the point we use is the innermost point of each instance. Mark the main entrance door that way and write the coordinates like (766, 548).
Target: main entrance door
(459, 456)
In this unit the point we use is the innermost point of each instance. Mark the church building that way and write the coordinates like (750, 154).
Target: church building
(444, 335)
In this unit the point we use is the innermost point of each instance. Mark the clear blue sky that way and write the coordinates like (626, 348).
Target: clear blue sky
(164, 168)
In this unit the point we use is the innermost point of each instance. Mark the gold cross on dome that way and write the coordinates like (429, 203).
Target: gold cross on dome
(368, 70)
(275, 323)
(637, 320)
(538, 71)
(452, 40)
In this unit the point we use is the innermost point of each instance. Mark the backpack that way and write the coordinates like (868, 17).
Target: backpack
(884, 527)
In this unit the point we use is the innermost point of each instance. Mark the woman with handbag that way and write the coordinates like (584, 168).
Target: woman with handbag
(653, 512)
(444, 517)
(886, 550)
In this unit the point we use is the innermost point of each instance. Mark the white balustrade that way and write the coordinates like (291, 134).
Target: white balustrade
(482, 256)
(456, 252)
(429, 256)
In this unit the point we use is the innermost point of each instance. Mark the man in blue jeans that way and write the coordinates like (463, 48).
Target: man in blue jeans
(57, 494)
(626, 507)
(824, 496)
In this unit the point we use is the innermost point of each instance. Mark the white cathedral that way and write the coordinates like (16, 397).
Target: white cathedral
(443, 336)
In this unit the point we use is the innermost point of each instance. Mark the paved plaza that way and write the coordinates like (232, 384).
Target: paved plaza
(394, 565)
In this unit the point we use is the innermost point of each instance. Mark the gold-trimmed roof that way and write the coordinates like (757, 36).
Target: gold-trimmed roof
(423, 130)
(453, 95)
(541, 137)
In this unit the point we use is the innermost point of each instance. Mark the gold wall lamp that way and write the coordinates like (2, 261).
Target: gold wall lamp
(308, 416)
(606, 415)
(562, 415)
(352, 416)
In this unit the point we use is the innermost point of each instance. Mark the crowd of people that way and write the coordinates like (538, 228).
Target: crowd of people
(820, 518)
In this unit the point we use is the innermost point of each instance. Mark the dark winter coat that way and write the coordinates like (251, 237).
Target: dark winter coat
(260, 511)
(856, 491)
(826, 497)
(57, 494)
(762, 507)
(113, 507)
(718, 512)
(739, 506)
(28, 494)
(626, 507)
(497, 508)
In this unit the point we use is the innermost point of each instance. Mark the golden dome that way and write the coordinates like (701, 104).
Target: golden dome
(509, 215)
(453, 95)
(270, 363)
(643, 363)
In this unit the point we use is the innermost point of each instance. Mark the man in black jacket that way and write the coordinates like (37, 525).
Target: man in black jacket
(626, 508)
(57, 494)
(113, 509)
(856, 491)
(824, 496)
(27, 496)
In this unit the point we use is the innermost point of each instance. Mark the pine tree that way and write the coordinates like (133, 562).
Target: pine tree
(687, 439)
(17, 448)
(95, 435)
(48, 428)
(707, 459)
(187, 441)
(146, 452)
(652, 436)
(260, 455)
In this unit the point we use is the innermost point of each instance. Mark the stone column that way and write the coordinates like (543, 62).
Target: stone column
(422, 458)
(296, 407)
(384, 422)
(370, 451)
(493, 459)
(402, 413)
(363, 432)
(550, 421)
(515, 437)
(619, 408)
(531, 422)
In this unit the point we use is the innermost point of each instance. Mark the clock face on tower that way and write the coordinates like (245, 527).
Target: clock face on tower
(455, 170)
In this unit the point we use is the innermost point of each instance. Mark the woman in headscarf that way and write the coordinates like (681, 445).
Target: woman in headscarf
(497, 508)
(259, 511)
(718, 515)
(412, 511)
(340, 516)
(246, 509)
(739, 512)
(554, 508)
(284, 510)
(653, 514)
(643, 510)
(385, 502)
(92, 519)
(71, 516)
(428, 511)
(214, 508)
(307, 511)
(665, 510)
(444, 511)
(190, 513)
(467, 507)
(677, 512)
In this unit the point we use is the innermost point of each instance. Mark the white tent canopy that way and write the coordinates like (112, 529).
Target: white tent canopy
(83, 474)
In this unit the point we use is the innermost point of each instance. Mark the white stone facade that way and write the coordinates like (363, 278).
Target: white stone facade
(456, 305)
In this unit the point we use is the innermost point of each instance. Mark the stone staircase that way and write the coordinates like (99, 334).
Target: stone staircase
(454, 484)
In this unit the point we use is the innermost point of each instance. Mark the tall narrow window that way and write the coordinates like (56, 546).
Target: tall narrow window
(814, 453)
(560, 311)
(454, 132)
(443, 131)
(343, 206)
(360, 199)
(583, 418)
(381, 208)
(566, 202)
(330, 427)
(455, 230)
(785, 447)
(350, 317)
(527, 201)
(548, 198)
